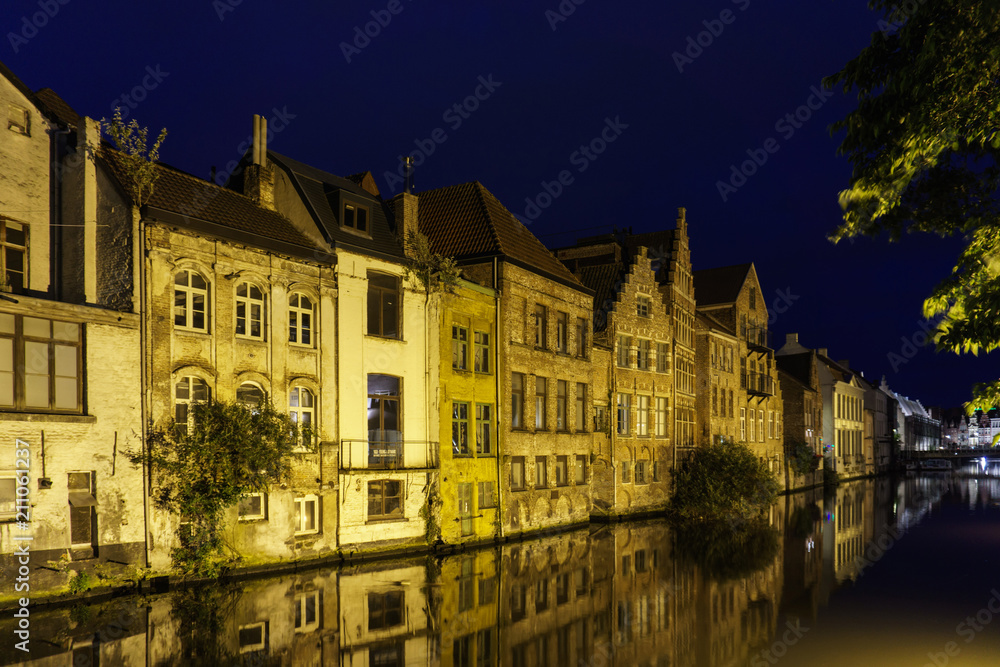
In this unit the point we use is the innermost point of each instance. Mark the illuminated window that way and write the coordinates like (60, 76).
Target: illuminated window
(517, 473)
(190, 300)
(307, 514)
(250, 302)
(41, 365)
(300, 319)
(482, 353)
(459, 348)
(517, 400)
(642, 416)
(188, 391)
(484, 429)
(460, 428)
(252, 507)
(624, 407)
(642, 304)
(302, 409)
(541, 403)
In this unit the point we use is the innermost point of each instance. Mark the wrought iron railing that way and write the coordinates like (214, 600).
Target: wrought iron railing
(391, 454)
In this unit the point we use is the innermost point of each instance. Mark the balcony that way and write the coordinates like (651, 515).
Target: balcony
(758, 338)
(757, 384)
(387, 454)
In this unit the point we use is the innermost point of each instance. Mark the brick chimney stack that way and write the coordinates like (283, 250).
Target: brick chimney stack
(791, 338)
(258, 183)
(404, 210)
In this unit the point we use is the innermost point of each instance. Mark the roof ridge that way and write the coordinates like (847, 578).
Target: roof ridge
(479, 188)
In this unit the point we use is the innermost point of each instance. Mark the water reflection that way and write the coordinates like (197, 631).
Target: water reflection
(619, 594)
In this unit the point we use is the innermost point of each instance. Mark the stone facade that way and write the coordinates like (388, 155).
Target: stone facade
(717, 379)
(802, 401)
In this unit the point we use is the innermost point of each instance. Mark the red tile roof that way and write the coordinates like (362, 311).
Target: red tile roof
(467, 220)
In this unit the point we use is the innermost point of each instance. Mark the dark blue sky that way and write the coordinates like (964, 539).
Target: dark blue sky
(555, 81)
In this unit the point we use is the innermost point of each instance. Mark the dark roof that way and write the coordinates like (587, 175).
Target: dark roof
(59, 108)
(721, 285)
(710, 321)
(467, 220)
(786, 376)
(322, 193)
(192, 198)
(798, 365)
(603, 279)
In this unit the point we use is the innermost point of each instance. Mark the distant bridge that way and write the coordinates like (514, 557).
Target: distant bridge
(991, 453)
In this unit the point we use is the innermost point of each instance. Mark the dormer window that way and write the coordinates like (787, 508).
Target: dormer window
(17, 119)
(356, 217)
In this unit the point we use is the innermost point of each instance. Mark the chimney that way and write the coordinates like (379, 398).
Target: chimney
(404, 210)
(844, 362)
(258, 183)
(823, 351)
(791, 338)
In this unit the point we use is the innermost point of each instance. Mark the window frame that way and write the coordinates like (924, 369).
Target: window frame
(581, 337)
(623, 353)
(562, 409)
(662, 417)
(541, 403)
(190, 293)
(642, 416)
(300, 503)
(381, 292)
(580, 402)
(353, 226)
(300, 622)
(260, 516)
(562, 464)
(580, 472)
(662, 357)
(485, 490)
(248, 302)
(460, 429)
(5, 246)
(562, 332)
(517, 463)
(395, 515)
(481, 352)
(484, 429)
(459, 347)
(643, 349)
(643, 306)
(541, 327)
(296, 314)
(517, 401)
(296, 412)
(21, 346)
(190, 400)
(20, 125)
(541, 472)
(623, 408)
(641, 471)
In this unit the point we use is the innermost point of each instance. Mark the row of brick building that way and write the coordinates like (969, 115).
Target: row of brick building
(546, 389)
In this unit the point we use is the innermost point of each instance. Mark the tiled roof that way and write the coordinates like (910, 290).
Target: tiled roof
(467, 220)
(798, 365)
(721, 285)
(191, 197)
(603, 279)
(710, 321)
(58, 106)
(322, 192)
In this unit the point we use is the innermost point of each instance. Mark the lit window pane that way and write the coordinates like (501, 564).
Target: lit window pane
(36, 328)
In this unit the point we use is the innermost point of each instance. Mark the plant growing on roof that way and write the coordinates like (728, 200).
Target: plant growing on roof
(434, 272)
(137, 162)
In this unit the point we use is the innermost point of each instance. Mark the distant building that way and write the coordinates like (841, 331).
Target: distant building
(802, 411)
(918, 430)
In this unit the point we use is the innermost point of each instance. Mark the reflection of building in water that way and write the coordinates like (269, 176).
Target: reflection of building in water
(466, 605)
(386, 619)
(803, 554)
(549, 592)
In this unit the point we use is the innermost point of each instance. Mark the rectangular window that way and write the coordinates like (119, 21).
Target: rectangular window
(517, 473)
(581, 469)
(561, 405)
(482, 341)
(517, 400)
(623, 409)
(253, 638)
(300, 320)
(459, 348)
(486, 498)
(541, 473)
(385, 610)
(356, 217)
(540, 327)
(385, 428)
(600, 418)
(642, 416)
(250, 311)
(753, 420)
(385, 499)
(581, 337)
(743, 424)
(626, 467)
(581, 407)
(770, 424)
(641, 470)
(307, 514)
(460, 428)
(642, 304)
(383, 305)
(624, 345)
(307, 611)
(13, 256)
(82, 500)
(540, 403)
(730, 402)
(484, 429)
(562, 333)
(760, 426)
(642, 355)
(8, 494)
(18, 120)
(190, 300)
(663, 357)
(541, 604)
(715, 401)
(562, 470)
(41, 365)
(253, 507)
(661, 417)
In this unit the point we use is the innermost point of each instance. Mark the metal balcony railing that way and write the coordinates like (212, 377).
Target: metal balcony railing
(389, 454)
(757, 384)
(758, 338)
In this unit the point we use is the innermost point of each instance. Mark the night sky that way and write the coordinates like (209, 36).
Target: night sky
(548, 84)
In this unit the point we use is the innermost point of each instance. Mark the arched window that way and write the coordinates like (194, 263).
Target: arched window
(188, 391)
(250, 395)
(250, 311)
(300, 319)
(190, 300)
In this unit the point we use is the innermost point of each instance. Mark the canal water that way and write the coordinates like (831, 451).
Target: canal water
(902, 571)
